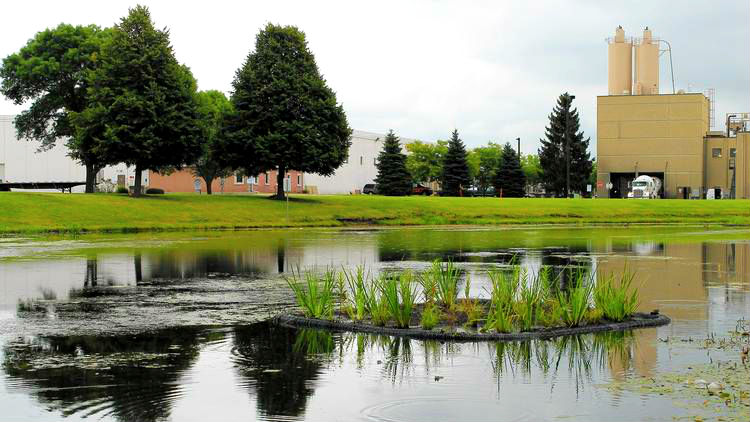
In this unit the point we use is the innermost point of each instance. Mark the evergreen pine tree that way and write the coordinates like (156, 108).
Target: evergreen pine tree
(455, 168)
(564, 124)
(393, 178)
(509, 176)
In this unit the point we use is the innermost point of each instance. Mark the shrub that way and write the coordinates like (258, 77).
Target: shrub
(155, 191)
(430, 317)
(122, 189)
(614, 299)
(317, 300)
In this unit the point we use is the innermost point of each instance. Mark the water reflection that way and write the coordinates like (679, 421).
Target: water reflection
(127, 378)
(274, 365)
(689, 267)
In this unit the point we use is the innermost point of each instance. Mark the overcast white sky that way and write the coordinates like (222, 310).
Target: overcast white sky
(492, 69)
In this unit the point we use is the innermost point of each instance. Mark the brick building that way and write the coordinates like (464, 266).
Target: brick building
(184, 181)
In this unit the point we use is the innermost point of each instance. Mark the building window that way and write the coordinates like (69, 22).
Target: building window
(716, 152)
(347, 160)
(732, 152)
(361, 160)
(299, 179)
(375, 161)
(268, 177)
(237, 179)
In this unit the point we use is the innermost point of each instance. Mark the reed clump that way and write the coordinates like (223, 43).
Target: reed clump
(516, 299)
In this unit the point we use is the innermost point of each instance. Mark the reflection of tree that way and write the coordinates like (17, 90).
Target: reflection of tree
(187, 265)
(131, 377)
(91, 274)
(273, 361)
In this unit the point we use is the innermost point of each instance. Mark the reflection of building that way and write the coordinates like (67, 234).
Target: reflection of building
(640, 131)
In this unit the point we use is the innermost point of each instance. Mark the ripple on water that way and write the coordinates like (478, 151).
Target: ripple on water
(438, 408)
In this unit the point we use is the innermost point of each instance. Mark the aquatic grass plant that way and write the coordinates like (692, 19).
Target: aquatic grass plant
(520, 300)
(470, 306)
(615, 298)
(500, 318)
(358, 283)
(378, 306)
(442, 278)
(505, 286)
(400, 295)
(316, 294)
(430, 316)
(574, 301)
(531, 297)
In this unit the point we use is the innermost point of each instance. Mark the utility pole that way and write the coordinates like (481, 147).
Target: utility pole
(519, 148)
(567, 147)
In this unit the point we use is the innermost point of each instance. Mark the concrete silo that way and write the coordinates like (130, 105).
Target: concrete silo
(620, 64)
(647, 65)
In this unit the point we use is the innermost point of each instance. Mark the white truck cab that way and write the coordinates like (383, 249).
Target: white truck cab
(645, 187)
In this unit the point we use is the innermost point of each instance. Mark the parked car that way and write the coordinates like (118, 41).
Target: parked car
(490, 191)
(420, 189)
(370, 189)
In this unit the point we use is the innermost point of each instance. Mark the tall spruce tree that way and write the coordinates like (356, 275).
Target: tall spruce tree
(455, 178)
(51, 72)
(509, 177)
(143, 98)
(285, 115)
(393, 178)
(554, 155)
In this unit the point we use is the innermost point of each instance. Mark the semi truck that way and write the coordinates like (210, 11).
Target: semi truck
(645, 187)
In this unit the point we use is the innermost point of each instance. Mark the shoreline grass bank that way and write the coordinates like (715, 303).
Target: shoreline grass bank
(22, 212)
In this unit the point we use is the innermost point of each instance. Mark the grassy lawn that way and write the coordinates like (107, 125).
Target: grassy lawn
(48, 212)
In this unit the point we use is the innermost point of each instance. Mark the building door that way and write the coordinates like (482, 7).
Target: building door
(2, 172)
(120, 180)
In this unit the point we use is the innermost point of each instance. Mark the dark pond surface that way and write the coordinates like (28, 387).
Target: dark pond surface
(153, 327)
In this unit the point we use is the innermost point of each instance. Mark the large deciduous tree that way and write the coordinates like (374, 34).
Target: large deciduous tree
(393, 178)
(532, 170)
(564, 146)
(51, 73)
(509, 178)
(425, 160)
(455, 177)
(483, 162)
(143, 98)
(286, 117)
(213, 108)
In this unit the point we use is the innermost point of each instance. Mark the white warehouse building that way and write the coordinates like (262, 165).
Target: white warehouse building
(21, 163)
(357, 171)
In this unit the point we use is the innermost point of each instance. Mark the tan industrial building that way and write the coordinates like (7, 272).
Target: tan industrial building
(643, 132)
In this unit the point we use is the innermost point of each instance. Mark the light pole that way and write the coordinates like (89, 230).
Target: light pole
(519, 148)
(567, 146)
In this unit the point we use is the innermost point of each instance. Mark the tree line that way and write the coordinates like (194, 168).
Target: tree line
(493, 165)
(119, 95)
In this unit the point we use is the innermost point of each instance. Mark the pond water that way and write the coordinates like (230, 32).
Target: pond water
(173, 326)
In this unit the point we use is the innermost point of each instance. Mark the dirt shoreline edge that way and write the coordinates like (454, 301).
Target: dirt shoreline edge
(639, 320)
